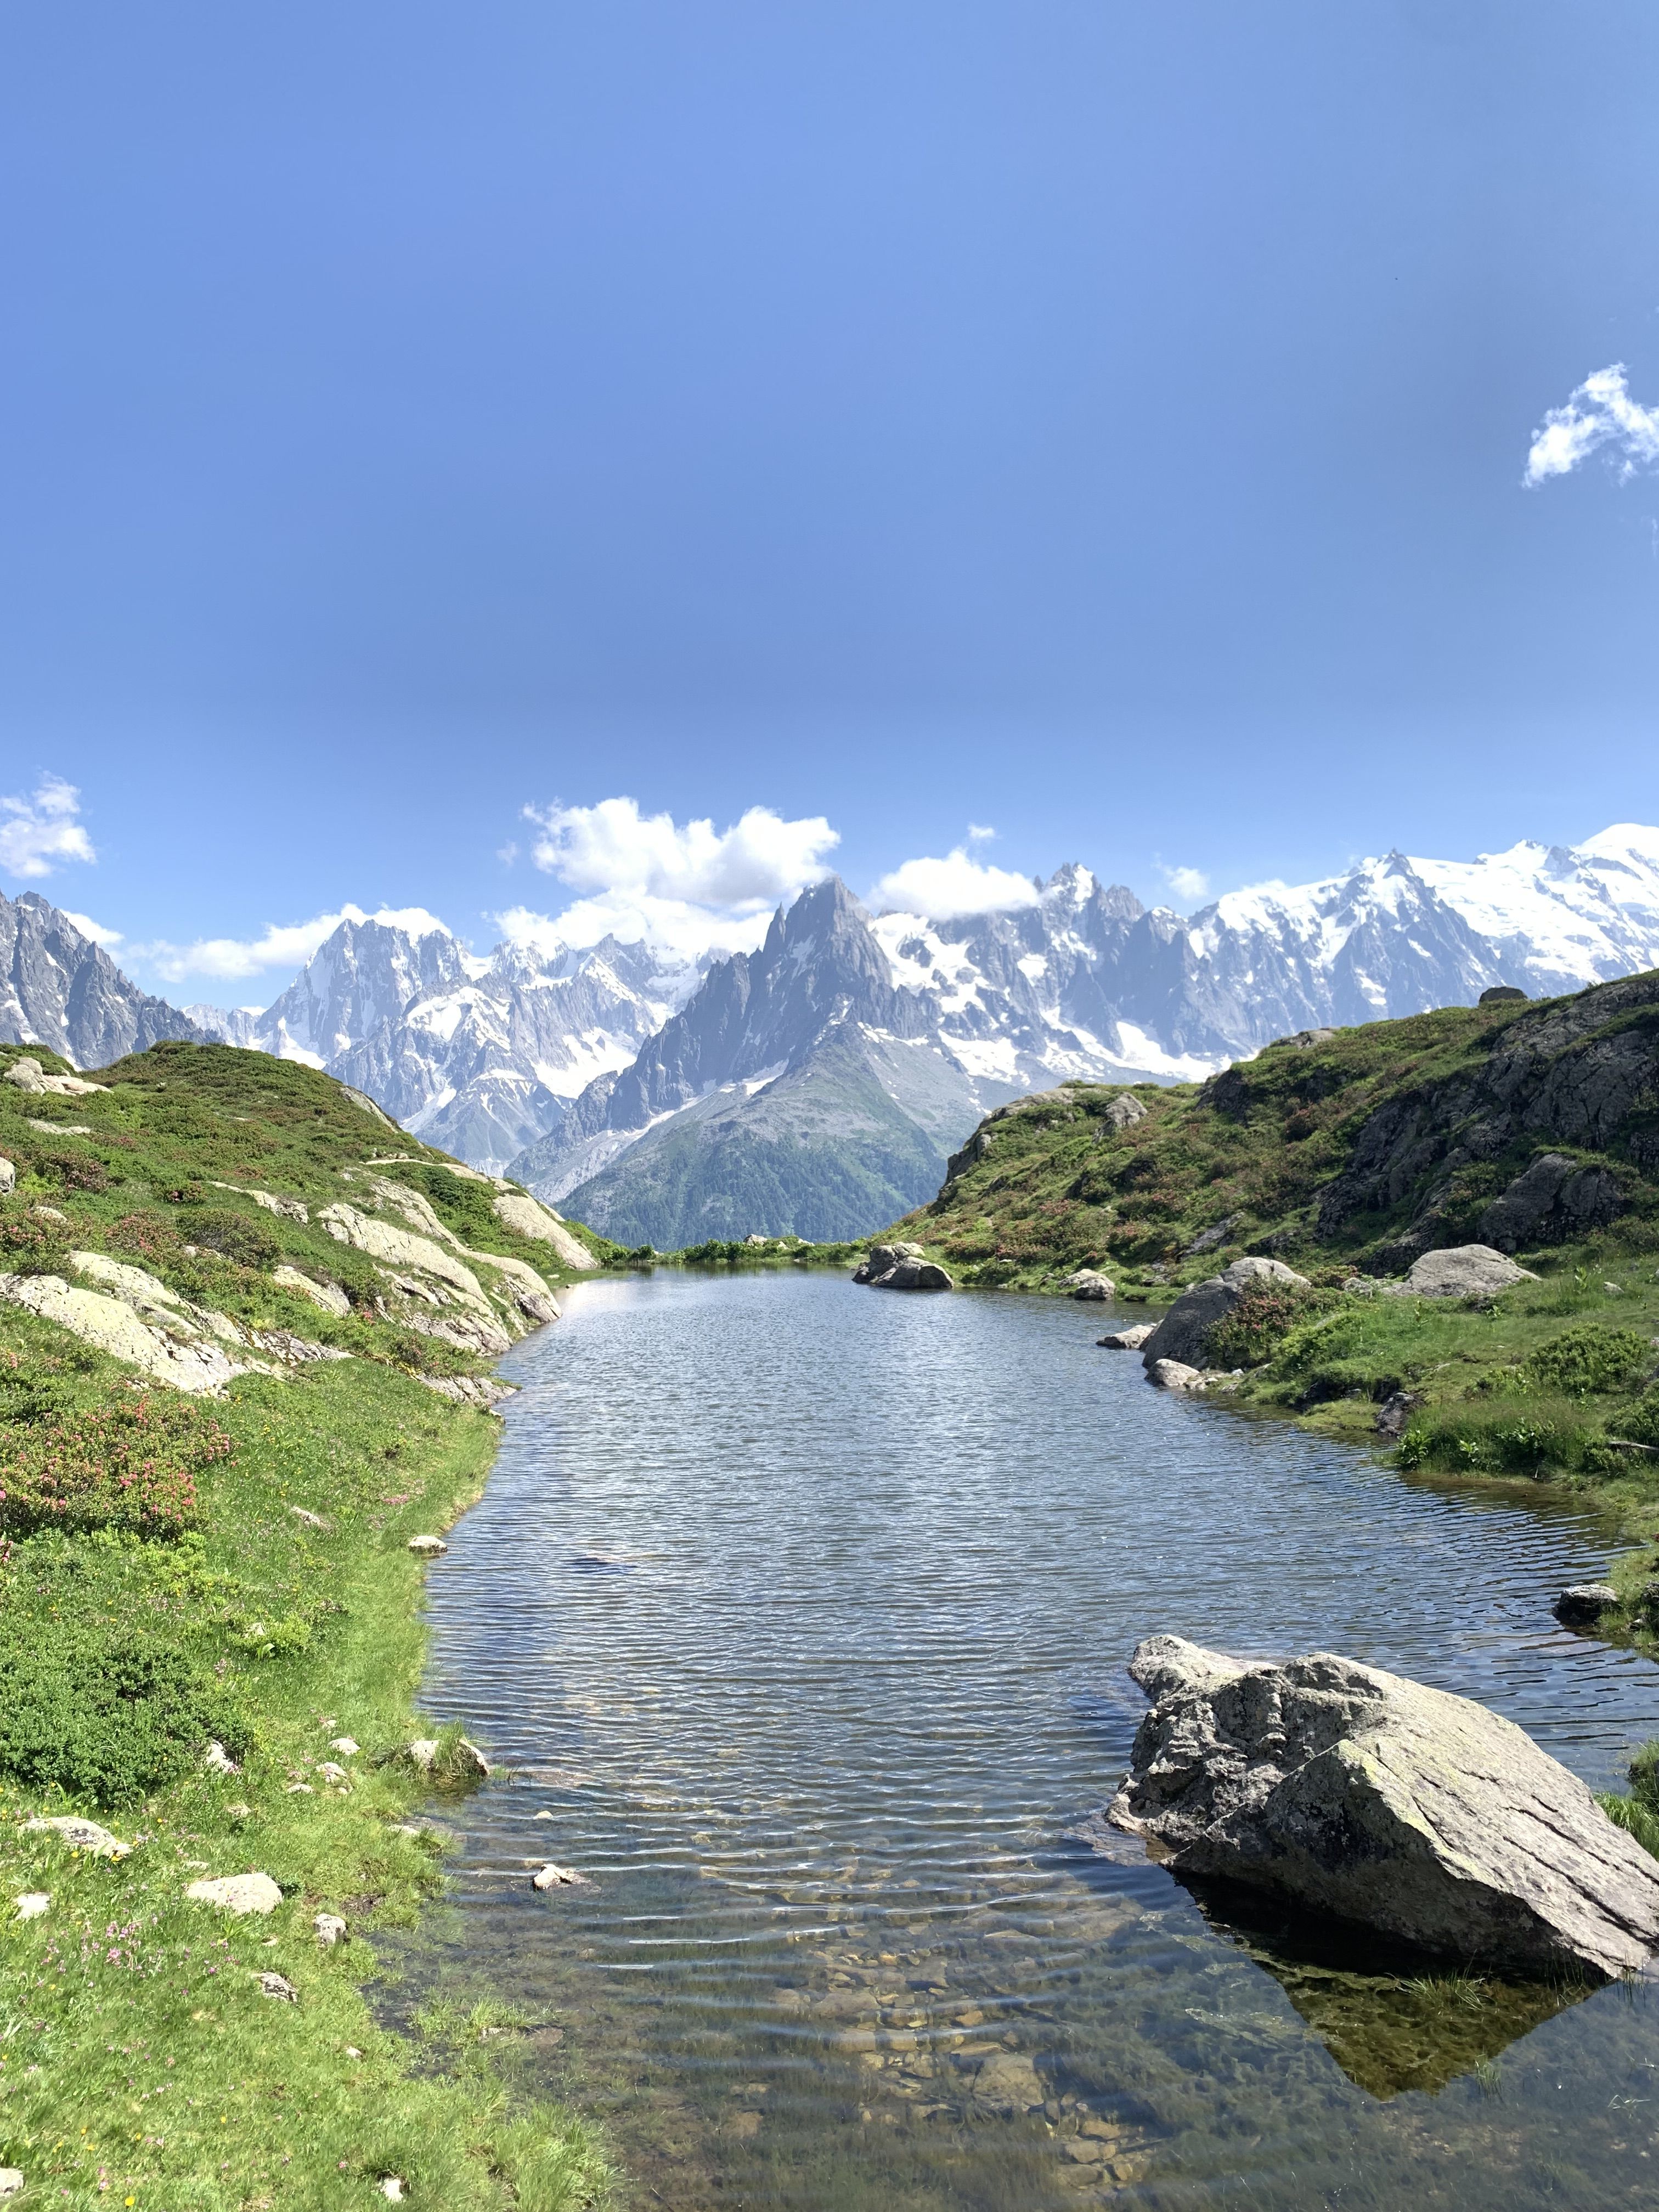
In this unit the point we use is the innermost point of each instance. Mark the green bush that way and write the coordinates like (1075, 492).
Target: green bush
(247, 1238)
(1263, 1318)
(73, 1170)
(131, 1464)
(1583, 1362)
(1527, 1438)
(1641, 1424)
(105, 1720)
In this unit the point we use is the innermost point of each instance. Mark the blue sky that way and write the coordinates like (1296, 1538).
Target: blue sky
(1101, 424)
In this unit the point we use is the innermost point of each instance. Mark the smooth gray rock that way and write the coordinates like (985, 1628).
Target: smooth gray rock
(7, 1178)
(1464, 1271)
(1403, 1808)
(1129, 1339)
(1123, 1113)
(901, 1268)
(1173, 1375)
(1184, 1330)
(1089, 1283)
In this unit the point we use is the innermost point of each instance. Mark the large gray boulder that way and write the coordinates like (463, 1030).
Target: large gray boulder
(1556, 1197)
(1403, 1808)
(1462, 1270)
(1184, 1330)
(901, 1268)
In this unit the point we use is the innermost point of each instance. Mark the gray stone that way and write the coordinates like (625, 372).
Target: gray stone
(1090, 1284)
(901, 1268)
(1403, 1808)
(331, 1930)
(527, 1216)
(1582, 1605)
(80, 1835)
(11, 2181)
(482, 1391)
(428, 1547)
(7, 1178)
(1125, 1110)
(239, 1894)
(1464, 1271)
(1173, 1375)
(1129, 1340)
(329, 1295)
(32, 1904)
(557, 1877)
(1502, 994)
(1184, 1331)
(277, 1985)
(1395, 1412)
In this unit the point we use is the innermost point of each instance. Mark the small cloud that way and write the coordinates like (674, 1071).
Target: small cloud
(612, 848)
(957, 885)
(1600, 412)
(89, 927)
(37, 832)
(978, 835)
(508, 853)
(291, 945)
(1186, 883)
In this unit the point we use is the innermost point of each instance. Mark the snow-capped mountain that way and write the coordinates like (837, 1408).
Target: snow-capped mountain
(731, 1107)
(60, 989)
(476, 1055)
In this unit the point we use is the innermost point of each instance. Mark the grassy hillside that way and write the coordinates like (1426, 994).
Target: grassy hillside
(177, 1572)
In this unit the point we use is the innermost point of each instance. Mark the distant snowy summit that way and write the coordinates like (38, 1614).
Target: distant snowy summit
(819, 1082)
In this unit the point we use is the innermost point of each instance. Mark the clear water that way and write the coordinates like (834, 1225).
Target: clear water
(800, 1615)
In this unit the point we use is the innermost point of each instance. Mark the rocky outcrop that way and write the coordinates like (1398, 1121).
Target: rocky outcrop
(1461, 1270)
(527, 1216)
(172, 1350)
(1184, 1333)
(329, 1295)
(1173, 1375)
(1359, 1794)
(1581, 1071)
(901, 1268)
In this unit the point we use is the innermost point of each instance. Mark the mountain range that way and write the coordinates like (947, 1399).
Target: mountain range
(818, 1084)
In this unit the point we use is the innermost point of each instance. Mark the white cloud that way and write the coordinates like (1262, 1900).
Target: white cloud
(613, 848)
(680, 931)
(1186, 883)
(977, 833)
(1600, 412)
(89, 927)
(686, 889)
(286, 946)
(37, 832)
(954, 886)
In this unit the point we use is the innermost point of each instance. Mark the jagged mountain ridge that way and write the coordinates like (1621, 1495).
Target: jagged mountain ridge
(1084, 983)
(478, 1056)
(62, 991)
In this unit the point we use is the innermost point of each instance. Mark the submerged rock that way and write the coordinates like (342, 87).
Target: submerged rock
(1184, 1331)
(1382, 1802)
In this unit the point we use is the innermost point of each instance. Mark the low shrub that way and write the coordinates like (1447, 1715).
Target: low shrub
(1262, 1320)
(147, 1236)
(105, 1719)
(246, 1238)
(73, 1170)
(29, 1246)
(1530, 1437)
(130, 1466)
(1583, 1362)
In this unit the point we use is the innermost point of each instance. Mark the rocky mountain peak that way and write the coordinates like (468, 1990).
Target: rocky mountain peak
(60, 989)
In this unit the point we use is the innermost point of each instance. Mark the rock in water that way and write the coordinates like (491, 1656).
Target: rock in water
(1184, 1333)
(1581, 1604)
(1383, 1802)
(1173, 1375)
(901, 1268)
(1089, 1283)
(1129, 1340)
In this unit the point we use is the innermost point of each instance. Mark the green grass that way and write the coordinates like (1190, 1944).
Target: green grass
(139, 2060)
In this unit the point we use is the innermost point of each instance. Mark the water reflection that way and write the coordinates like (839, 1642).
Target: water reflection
(800, 1613)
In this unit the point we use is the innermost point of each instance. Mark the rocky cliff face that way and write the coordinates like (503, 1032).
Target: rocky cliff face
(61, 990)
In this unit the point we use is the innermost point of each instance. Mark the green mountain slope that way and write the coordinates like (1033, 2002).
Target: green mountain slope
(819, 1153)
(1516, 1125)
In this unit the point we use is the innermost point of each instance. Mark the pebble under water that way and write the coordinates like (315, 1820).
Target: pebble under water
(798, 1614)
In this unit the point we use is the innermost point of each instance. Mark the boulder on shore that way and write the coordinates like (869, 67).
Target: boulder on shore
(901, 1268)
(1583, 1604)
(1175, 1375)
(1461, 1271)
(1090, 1284)
(1129, 1339)
(1376, 1800)
(1184, 1331)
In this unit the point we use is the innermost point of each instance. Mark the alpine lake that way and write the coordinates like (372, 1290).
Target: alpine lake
(795, 1618)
